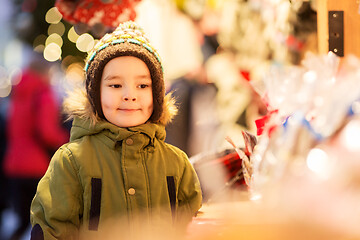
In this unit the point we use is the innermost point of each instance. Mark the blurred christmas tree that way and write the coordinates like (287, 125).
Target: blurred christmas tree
(31, 24)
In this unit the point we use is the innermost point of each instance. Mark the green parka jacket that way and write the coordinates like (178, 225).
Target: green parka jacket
(106, 173)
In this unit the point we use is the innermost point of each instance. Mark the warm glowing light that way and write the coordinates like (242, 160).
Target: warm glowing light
(5, 90)
(58, 28)
(351, 136)
(54, 38)
(39, 40)
(5, 84)
(72, 35)
(75, 72)
(53, 16)
(310, 77)
(85, 42)
(39, 48)
(15, 76)
(52, 52)
(318, 162)
(13, 53)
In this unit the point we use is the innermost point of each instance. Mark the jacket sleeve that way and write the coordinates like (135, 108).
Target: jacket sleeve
(189, 194)
(56, 207)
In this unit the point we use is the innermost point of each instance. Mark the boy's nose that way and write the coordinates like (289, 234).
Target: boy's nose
(129, 94)
(129, 98)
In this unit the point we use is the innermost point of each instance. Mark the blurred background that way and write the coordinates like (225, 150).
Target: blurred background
(233, 66)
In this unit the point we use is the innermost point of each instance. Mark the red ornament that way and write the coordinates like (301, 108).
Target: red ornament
(262, 121)
(109, 13)
(245, 74)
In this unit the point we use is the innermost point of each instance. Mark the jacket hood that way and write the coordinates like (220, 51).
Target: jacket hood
(77, 104)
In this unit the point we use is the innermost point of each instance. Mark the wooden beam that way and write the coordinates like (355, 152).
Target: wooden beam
(322, 26)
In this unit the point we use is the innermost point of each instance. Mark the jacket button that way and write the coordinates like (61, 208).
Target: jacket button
(131, 191)
(129, 141)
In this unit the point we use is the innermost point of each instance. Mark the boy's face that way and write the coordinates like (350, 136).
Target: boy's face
(126, 92)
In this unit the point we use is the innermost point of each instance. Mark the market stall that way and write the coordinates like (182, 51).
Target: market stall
(271, 122)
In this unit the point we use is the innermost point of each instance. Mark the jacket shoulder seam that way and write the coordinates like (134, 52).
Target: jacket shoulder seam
(71, 157)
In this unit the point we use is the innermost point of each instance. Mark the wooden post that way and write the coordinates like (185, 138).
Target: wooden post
(322, 29)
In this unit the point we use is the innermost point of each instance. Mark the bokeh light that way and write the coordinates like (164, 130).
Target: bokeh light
(39, 40)
(53, 16)
(39, 48)
(85, 42)
(58, 28)
(318, 162)
(75, 72)
(13, 54)
(54, 38)
(72, 35)
(5, 90)
(351, 136)
(52, 52)
(5, 84)
(15, 75)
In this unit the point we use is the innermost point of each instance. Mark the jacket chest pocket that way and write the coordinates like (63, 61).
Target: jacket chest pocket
(94, 216)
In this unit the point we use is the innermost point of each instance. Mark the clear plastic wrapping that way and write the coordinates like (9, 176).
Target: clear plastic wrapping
(308, 163)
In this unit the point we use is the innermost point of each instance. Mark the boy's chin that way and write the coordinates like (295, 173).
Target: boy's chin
(128, 124)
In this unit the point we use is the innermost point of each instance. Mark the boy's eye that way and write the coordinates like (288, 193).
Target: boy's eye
(144, 85)
(115, 86)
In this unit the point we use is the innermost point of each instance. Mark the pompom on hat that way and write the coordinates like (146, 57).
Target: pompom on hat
(128, 39)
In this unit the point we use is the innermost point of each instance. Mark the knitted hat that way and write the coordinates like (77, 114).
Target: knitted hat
(128, 39)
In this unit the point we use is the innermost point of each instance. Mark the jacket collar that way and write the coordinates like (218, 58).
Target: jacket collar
(111, 134)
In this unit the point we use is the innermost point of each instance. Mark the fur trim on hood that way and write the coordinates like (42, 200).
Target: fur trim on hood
(77, 104)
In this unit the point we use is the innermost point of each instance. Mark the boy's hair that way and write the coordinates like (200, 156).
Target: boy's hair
(128, 39)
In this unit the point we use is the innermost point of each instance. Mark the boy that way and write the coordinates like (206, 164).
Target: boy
(116, 164)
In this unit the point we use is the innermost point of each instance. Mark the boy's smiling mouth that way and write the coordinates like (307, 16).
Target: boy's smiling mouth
(128, 109)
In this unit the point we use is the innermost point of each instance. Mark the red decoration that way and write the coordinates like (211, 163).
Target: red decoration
(232, 162)
(246, 75)
(261, 122)
(294, 44)
(109, 13)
